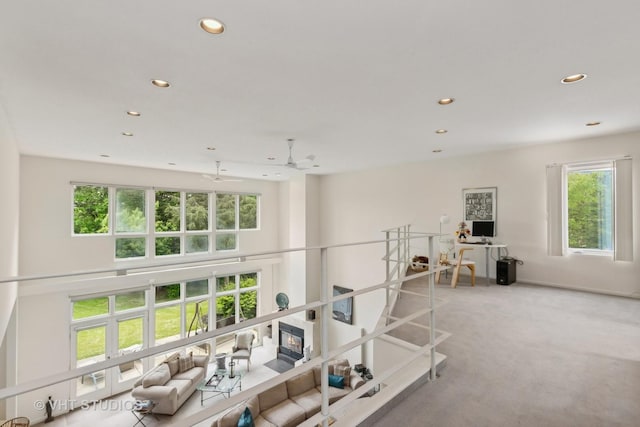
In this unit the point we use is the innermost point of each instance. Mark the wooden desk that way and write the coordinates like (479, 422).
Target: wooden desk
(487, 250)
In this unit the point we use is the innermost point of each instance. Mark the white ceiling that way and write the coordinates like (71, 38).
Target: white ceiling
(354, 82)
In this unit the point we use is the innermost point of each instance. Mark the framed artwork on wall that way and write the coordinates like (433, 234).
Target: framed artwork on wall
(343, 309)
(479, 204)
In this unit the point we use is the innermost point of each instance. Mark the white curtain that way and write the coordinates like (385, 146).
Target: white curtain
(554, 210)
(623, 211)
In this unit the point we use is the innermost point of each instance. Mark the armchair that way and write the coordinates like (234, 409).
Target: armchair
(242, 347)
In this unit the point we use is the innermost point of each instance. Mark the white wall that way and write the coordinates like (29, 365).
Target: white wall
(47, 246)
(9, 223)
(355, 206)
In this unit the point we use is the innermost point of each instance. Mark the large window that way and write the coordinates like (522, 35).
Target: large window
(590, 207)
(90, 210)
(234, 212)
(158, 223)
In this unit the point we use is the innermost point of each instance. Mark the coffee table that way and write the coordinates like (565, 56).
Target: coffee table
(219, 383)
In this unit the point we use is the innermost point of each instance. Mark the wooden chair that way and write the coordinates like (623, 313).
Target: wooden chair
(461, 262)
(442, 261)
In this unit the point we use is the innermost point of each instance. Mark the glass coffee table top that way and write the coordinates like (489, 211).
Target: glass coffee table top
(219, 383)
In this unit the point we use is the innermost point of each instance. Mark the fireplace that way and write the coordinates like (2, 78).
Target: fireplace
(290, 343)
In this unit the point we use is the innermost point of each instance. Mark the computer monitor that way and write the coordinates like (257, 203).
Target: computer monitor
(483, 228)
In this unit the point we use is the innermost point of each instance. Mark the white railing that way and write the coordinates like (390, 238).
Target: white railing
(397, 242)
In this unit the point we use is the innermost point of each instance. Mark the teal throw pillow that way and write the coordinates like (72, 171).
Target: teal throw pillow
(336, 381)
(246, 419)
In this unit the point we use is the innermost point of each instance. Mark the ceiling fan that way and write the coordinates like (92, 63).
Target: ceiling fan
(300, 164)
(219, 178)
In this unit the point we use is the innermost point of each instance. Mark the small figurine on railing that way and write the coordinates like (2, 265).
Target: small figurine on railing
(463, 232)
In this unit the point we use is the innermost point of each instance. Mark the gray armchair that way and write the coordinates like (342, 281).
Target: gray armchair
(242, 347)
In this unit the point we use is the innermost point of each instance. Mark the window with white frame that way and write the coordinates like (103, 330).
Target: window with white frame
(589, 207)
(150, 223)
(234, 212)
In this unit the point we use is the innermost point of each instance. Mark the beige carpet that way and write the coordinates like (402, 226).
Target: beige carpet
(528, 356)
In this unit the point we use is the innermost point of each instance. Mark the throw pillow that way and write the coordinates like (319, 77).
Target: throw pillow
(174, 366)
(246, 419)
(186, 362)
(336, 381)
(344, 371)
(158, 376)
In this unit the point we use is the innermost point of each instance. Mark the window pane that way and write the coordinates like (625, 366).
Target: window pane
(225, 212)
(197, 244)
(197, 211)
(130, 334)
(131, 247)
(197, 322)
(197, 287)
(248, 280)
(248, 212)
(167, 293)
(167, 211)
(130, 300)
(167, 324)
(91, 343)
(589, 203)
(225, 241)
(90, 307)
(225, 311)
(90, 210)
(130, 211)
(226, 283)
(248, 303)
(167, 246)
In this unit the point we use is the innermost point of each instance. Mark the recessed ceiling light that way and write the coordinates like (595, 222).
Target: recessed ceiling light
(593, 123)
(436, 151)
(160, 83)
(264, 174)
(271, 158)
(127, 133)
(104, 155)
(211, 148)
(573, 78)
(316, 166)
(171, 164)
(133, 113)
(211, 26)
(441, 131)
(446, 101)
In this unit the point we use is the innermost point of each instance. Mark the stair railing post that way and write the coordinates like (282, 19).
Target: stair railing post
(432, 314)
(324, 336)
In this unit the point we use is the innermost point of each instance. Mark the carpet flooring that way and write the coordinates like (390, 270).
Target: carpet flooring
(525, 355)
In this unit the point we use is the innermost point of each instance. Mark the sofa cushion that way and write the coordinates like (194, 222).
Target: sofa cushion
(174, 366)
(193, 375)
(246, 419)
(336, 381)
(310, 401)
(158, 376)
(272, 397)
(344, 372)
(300, 384)
(284, 414)
(186, 362)
(230, 419)
(336, 394)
